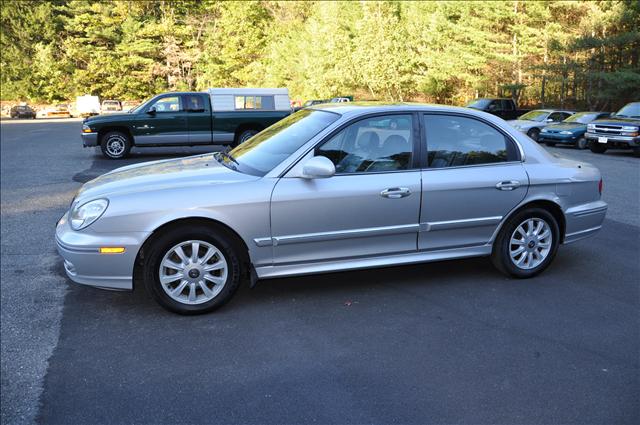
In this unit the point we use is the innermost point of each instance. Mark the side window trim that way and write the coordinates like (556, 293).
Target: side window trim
(425, 143)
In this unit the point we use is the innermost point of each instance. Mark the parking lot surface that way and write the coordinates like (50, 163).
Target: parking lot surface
(449, 342)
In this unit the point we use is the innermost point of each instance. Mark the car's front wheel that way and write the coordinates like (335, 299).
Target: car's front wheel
(115, 145)
(597, 147)
(527, 243)
(192, 270)
(534, 133)
(582, 143)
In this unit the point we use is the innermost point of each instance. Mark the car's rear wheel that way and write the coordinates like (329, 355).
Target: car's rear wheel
(597, 147)
(245, 135)
(527, 243)
(582, 143)
(192, 270)
(534, 133)
(115, 145)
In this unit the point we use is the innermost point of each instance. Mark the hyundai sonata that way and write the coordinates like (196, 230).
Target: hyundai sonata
(332, 187)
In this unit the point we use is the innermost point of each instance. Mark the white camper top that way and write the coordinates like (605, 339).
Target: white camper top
(249, 99)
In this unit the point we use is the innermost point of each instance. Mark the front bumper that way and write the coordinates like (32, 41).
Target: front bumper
(584, 220)
(84, 263)
(89, 139)
(557, 138)
(615, 140)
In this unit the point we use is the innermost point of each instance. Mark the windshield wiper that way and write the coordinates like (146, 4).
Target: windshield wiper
(229, 157)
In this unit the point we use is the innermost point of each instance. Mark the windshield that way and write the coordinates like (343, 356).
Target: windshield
(582, 117)
(479, 103)
(631, 110)
(535, 116)
(264, 151)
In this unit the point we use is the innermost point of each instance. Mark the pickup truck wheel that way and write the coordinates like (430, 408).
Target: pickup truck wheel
(192, 269)
(527, 243)
(245, 135)
(597, 148)
(115, 145)
(534, 133)
(582, 143)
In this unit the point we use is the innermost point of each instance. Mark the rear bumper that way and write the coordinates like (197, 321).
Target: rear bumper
(84, 264)
(89, 139)
(584, 220)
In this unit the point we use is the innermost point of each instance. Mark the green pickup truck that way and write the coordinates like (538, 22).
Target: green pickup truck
(218, 116)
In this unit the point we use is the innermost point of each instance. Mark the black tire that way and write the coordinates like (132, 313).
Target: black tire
(115, 145)
(582, 143)
(551, 144)
(501, 256)
(636, 152)
(160, 246)
(596, 147)
(534, 133)
(245, 135)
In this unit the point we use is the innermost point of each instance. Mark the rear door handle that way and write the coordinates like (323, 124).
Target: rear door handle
(508, 185)
(395, 192)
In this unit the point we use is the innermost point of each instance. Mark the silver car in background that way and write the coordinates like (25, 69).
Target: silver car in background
(331, 187)
(534, 121)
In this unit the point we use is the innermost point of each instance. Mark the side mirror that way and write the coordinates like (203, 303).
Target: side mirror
(152, 110)
(318, 167)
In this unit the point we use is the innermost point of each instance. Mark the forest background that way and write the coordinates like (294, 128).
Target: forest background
(582, 55)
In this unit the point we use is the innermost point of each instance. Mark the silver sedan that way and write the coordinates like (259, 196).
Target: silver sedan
(332, 187)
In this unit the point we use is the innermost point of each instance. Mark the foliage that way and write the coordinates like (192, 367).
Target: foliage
(570, 54)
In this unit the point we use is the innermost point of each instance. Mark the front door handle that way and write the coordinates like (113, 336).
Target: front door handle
(508, 185)
(395, 192)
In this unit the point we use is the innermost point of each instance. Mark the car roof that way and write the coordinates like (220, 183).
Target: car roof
(357, 108)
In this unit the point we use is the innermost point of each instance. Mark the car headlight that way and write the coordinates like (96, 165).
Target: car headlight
(85, 214)
(544, 130)
(629, 128)
(86, 129)
(591, 126)
(566, 132)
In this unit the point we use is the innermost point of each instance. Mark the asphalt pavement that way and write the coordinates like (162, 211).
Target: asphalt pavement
(448, 342)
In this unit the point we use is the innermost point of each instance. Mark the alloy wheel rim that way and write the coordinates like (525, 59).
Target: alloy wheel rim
(530, 243)
(115, 146)
(193, 272)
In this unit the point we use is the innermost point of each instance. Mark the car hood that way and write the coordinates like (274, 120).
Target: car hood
(524, 124)
(107, 117)
(164, 174)
(617, 121)
(567, 126)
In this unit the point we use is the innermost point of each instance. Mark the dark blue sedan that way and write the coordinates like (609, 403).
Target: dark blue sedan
(570, 131)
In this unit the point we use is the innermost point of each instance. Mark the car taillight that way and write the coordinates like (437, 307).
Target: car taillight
(600, 186)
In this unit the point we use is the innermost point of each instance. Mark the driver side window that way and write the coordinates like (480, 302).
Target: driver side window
(376, 144)
(168, 104)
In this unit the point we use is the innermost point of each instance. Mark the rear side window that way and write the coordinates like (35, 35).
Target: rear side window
(558, 116)
(194, 103)
(377, 144)
(507, 105)
(454, 141)
(255, 102)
